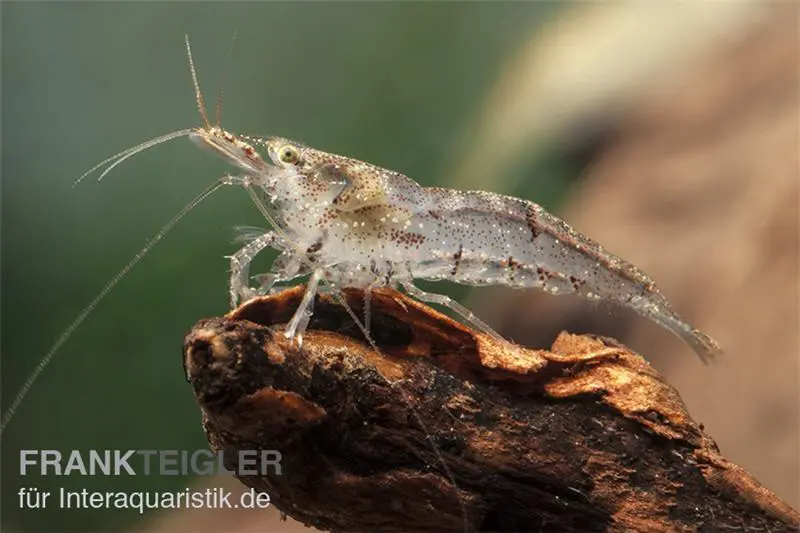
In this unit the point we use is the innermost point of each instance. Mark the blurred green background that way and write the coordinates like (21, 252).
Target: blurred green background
(395, 84)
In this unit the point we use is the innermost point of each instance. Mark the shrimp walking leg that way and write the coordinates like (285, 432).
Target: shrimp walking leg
(240, 267)
(368, 305)
(297, 325)
(448, 302)
(286, 267)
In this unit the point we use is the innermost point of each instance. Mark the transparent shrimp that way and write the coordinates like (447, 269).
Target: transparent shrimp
(358, 225)
(366, 227)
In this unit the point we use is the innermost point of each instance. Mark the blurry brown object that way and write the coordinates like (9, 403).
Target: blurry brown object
(586, 437)
(699, 187)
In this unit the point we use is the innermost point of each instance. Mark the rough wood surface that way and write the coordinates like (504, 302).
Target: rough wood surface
(584, 437)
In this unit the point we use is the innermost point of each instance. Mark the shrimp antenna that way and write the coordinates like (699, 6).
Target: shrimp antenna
(201, 105)
(221, 94)
(67, 333)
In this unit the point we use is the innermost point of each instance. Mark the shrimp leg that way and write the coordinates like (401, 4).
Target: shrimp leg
(297, 325)
(286, 267)
(446, 301)
(240, 267)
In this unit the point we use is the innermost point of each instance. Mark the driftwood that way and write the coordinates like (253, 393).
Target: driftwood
(584, 437)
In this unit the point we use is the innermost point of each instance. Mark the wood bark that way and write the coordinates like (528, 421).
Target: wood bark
(445, 429)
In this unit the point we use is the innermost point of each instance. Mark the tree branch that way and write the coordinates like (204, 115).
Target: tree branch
(585, 437)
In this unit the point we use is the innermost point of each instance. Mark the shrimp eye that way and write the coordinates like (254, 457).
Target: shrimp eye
(289, 154)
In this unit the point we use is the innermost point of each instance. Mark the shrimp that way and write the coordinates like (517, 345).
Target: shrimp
(348, 223)
(358, 225)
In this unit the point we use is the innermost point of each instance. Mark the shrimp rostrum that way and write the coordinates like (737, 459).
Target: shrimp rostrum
(354, 224)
